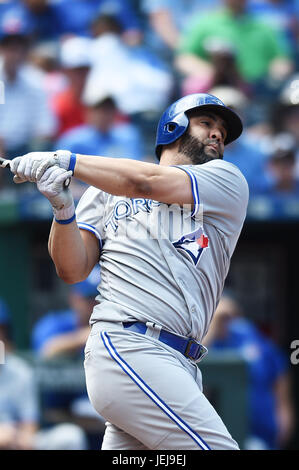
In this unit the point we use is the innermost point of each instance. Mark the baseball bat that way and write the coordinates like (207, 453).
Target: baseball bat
(6, 163)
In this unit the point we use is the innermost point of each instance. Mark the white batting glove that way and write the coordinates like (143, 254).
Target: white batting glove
(31, 166)
(51, 185)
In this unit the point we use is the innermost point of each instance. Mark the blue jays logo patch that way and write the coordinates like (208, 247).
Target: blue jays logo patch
(192, 245)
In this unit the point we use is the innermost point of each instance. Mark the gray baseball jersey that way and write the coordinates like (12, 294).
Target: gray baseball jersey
(165, 263)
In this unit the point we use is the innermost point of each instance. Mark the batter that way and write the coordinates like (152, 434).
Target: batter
(163, 235)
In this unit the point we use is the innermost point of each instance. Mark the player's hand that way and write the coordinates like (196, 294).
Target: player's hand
(51, 185)
(28, 166)
(32, 166)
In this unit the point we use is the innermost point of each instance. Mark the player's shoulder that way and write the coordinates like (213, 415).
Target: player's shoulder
(221, 168)
(222, 175)
(220, 163)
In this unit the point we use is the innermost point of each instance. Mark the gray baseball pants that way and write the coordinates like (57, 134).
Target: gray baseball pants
(149, 394)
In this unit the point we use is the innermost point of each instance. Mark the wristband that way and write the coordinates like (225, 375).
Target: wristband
(65, 159)
(72, 163)
(65, 215)
(65, 221)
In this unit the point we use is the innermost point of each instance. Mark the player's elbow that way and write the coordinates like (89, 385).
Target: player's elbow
(69, 276)
(143, 186)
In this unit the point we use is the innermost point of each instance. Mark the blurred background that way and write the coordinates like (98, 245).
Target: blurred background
(93, 77)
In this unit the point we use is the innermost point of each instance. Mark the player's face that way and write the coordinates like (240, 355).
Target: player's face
(204, 139)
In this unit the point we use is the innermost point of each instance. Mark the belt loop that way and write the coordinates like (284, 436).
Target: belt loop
(153, 330)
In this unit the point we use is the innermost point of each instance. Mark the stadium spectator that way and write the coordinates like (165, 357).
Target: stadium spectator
(281, 193)
(102, 134)
(281, 165)
(52, 20)
(260, 54)
(25, 117)
(282, 15)
(282, 117)
(45, 58)
(66, 331)
(19, 409)
(75, 64)
(223, 60)
(43, 17)
(145, 85)
(285, 113)
(167, 19)
(76, 17)
(271, 414)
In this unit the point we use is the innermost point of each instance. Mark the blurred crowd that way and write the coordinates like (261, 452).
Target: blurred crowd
(93, 76)
(270, 401)
(39, 416)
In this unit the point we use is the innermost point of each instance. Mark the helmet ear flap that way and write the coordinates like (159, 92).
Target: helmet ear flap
(170, 128)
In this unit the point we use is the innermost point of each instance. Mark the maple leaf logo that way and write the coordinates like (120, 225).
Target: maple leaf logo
(192, 245)
(203, 241)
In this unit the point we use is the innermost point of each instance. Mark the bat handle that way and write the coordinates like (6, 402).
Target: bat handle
(4, 163)
(67, 183)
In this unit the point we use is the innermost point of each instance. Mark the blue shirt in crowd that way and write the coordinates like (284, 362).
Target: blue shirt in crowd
(276, 204)
(76, 16)
(266, 363)
(19, 395)
(52, 325)
(70, 16)
(45, 25)
(123, 140)
(250, 161)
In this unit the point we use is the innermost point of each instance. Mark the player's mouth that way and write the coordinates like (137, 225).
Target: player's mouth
(214, 146)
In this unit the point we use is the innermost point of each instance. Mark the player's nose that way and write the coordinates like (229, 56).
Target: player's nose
(216, 134)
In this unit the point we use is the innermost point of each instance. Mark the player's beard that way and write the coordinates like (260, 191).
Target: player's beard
(195, 150)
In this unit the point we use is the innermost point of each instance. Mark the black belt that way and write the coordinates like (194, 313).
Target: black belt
(188, 347)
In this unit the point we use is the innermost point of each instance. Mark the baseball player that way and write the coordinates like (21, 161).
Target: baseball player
(163, 235)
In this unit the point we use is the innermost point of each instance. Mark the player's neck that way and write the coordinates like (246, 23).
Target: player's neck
(169, 158)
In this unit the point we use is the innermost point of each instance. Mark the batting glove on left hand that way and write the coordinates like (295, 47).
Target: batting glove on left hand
(31, 166)
(51, 185)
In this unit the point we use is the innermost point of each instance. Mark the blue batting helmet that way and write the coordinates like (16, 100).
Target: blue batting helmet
(174, 121)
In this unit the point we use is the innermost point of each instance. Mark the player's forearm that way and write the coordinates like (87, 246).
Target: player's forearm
(120, 177)
(134, 179)
(68, 252)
